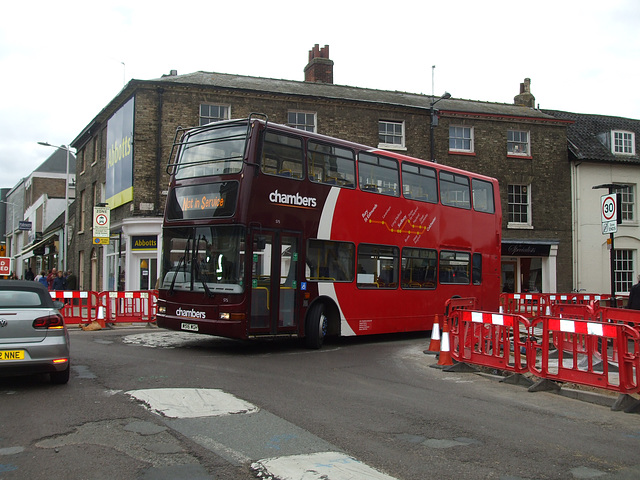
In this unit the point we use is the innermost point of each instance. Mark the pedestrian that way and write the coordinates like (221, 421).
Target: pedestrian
(43, 278)
(53, 274)
(72, 281)
(634, 296)
(59, 283)
(29, 275)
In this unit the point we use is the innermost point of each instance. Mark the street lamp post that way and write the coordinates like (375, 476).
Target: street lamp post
(66, 203)
(434, 123)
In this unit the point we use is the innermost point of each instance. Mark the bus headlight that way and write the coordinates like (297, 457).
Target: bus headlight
(232, 316)
(162, 309)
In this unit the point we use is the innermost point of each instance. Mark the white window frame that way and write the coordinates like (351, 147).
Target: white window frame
(470, 139)
(307, 118)
(401, 136)
(205, 119)
(516, 146)
(625, 258)
(521, 225)
(623, 142)
(628, 204)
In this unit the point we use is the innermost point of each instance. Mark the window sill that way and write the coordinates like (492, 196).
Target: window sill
(519, 226)
(461, 152)
(389, 146)
(524, 157)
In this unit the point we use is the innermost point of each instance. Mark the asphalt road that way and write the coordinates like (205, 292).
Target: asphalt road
(358, 408)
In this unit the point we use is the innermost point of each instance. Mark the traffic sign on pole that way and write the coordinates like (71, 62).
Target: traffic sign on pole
(101, 225)
(609, 213)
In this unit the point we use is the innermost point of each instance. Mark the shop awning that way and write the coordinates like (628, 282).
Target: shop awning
(41, 244)
(527, 247)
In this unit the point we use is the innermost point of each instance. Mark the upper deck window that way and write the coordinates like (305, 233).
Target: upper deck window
(419, 183)
(331, 165)
(212, 151)
(378, 174)
(454, 190)
(483, 196)
(282, 155)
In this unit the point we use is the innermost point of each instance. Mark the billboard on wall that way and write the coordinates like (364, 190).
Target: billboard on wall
(119, 181)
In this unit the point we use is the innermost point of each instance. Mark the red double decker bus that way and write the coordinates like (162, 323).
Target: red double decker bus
(271, 231)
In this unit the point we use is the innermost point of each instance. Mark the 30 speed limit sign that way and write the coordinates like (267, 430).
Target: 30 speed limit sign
(609, 213)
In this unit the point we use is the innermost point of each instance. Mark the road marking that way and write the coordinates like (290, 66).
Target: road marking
(192, 402)
(222, 432)
(321, 466)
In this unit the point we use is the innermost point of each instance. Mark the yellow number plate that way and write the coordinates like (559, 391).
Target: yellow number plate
(11, 354)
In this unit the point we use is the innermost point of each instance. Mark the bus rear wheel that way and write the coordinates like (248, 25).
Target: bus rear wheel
(316, 326)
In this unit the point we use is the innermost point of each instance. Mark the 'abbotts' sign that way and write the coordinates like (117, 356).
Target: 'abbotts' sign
(144, 242)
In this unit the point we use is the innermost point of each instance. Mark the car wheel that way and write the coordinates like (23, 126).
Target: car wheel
(60, 378)
(316, 326)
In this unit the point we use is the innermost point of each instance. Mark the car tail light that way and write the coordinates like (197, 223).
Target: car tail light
(49, 322)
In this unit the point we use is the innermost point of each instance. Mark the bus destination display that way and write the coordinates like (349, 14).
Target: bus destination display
(203, 201)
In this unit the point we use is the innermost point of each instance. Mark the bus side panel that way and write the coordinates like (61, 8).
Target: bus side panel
(362, 217)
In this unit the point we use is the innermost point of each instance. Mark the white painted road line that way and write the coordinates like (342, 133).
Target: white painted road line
(192, 402)
(320, 466)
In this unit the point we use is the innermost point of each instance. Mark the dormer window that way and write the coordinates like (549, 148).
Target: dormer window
(624, 143)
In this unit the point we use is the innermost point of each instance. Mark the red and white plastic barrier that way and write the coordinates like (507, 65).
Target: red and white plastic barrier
(602, 352)
(80, 307)
(490, 339)
(84, 307)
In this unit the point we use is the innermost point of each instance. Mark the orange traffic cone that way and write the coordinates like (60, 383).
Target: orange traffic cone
(445, 347)
(100, 318)
(434, 345)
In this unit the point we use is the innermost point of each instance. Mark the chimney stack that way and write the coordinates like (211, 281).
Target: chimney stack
(525, 99)
(320, 68)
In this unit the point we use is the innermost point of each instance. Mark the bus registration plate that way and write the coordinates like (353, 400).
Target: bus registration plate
(192, 327)
(11, 354)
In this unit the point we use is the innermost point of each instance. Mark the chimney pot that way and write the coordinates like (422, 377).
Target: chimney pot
(525, 98)
(320, 67)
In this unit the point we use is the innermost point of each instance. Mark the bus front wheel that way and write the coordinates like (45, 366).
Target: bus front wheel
(315, 326)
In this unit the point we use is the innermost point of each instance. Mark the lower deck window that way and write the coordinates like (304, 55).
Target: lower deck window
(378, 266)
(329, 261)
(455, 267)
(419, 267)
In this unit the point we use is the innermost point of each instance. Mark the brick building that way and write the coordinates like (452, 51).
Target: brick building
(518, 144)
(34, 215)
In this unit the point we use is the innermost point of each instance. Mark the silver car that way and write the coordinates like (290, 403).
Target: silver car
(33, 336)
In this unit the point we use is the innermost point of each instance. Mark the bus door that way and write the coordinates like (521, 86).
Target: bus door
(274, 282)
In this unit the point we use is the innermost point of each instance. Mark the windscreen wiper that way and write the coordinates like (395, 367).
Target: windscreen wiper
(182, 261)
(197, 268)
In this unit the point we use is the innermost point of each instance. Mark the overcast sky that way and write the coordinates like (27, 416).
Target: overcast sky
(62, 62)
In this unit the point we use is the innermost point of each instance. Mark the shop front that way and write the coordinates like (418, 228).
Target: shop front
(529, 266)
(132, 255)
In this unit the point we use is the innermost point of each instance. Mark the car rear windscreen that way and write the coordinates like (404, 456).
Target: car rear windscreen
(19, 299)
